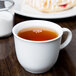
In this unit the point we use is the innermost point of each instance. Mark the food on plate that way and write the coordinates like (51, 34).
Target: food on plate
(51, 5)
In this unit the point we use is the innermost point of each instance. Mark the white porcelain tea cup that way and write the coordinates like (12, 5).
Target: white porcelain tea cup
(39, 56)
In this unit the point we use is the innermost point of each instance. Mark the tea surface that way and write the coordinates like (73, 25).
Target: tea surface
(37, 34)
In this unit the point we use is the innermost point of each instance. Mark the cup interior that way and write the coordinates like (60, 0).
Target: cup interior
(38, 23)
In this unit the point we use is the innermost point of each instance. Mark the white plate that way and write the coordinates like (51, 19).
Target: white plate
(30, 12)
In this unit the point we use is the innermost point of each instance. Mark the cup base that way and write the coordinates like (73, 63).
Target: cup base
(4, 36)
(37, 72)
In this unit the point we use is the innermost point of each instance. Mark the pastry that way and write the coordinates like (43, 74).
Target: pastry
(51, 5)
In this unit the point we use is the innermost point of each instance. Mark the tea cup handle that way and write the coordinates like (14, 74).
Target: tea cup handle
(68, 39)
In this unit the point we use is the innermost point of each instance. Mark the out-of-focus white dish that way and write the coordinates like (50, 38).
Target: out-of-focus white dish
(31, 12)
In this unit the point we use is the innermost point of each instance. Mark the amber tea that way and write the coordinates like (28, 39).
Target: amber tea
(37, 34)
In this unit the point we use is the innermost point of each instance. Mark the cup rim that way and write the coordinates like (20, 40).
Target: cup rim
(7, 8)
(32, 40)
